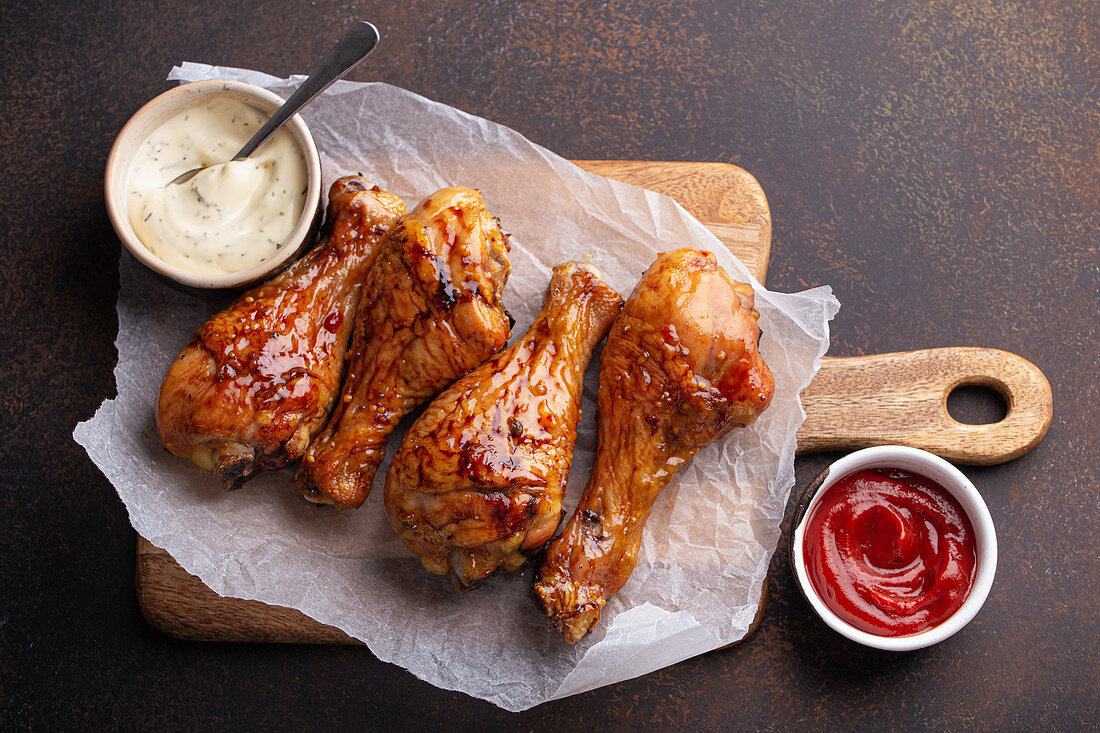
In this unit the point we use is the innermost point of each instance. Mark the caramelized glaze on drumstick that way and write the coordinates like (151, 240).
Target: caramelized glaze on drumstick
(679, 370)
(431, 311)
(477, 484)
(257, 380)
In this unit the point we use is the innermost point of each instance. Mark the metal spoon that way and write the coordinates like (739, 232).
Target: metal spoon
(356, 44)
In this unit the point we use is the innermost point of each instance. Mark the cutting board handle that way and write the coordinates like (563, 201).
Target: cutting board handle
(901, 399)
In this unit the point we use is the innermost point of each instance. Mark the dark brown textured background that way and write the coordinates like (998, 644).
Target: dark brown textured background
(937, 163)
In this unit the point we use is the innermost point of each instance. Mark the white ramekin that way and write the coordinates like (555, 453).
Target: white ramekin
(159, 110)
(947, 476)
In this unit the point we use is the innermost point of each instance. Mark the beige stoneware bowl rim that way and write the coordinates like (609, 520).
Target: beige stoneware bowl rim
(948, 476)
(159, 109)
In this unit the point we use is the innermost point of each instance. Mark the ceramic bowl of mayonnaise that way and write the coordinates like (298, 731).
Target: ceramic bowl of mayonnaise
(234, 223)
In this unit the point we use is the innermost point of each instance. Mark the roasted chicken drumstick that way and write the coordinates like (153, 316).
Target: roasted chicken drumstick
(478, 481)
(679, 370)
(431, 311)
(258, 379)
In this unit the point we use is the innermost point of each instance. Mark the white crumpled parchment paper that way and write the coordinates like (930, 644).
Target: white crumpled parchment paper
(711, 534)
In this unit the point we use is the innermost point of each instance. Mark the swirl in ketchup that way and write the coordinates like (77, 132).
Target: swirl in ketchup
(890, 552)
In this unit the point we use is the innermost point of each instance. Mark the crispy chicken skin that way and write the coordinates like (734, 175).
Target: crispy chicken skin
(258, 379)
(679, 370)
(477, 484)
(431, 311)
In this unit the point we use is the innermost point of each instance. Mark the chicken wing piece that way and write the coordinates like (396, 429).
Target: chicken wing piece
(258, 379)
(478, 481)
(431, 311)
(680, 369)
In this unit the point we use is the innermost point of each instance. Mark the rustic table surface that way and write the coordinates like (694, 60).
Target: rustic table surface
(937, 163)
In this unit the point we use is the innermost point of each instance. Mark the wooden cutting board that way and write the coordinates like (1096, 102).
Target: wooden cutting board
(852, 403)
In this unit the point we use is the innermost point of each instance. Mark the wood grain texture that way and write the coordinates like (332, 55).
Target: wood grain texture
(901, 398)
(725, 198)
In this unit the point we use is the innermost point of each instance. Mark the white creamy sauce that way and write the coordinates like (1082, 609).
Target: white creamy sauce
(230, 216)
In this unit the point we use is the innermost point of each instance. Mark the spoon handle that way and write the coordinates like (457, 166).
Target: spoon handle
(351, 49)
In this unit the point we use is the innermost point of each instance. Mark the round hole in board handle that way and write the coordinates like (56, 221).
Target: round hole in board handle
(977, 404)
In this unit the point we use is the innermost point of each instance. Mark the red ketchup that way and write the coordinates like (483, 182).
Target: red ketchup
(890, 552)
